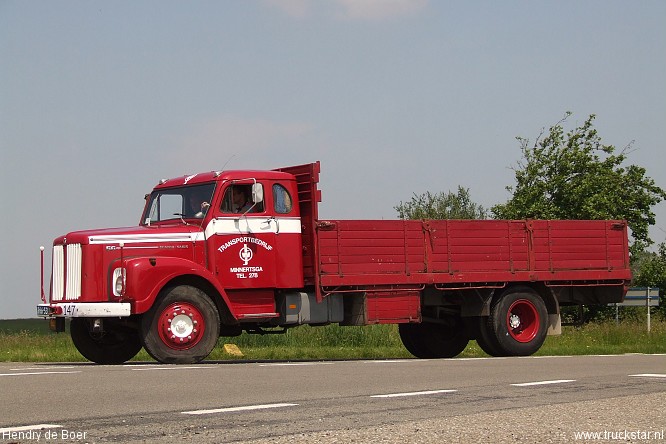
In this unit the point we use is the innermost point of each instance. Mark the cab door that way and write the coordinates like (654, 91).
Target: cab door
(288, 234)
(242, 238)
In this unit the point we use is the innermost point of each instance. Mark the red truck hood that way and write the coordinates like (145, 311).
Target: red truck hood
(173, 233)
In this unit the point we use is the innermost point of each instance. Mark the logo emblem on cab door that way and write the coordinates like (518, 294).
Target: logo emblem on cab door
(245, 254)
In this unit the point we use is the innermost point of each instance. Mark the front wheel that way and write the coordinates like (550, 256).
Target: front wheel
(182, 327)
(115, 344)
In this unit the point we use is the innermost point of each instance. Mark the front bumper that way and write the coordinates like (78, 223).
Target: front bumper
(85, 309)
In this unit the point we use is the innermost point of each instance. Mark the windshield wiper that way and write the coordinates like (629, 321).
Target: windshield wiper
(181, 215)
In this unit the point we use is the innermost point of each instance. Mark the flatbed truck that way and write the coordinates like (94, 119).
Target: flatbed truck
(223, 252)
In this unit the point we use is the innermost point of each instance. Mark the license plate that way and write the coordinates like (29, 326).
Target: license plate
(43, 310)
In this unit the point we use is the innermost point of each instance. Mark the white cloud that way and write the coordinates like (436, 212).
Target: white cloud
(293, 8)
(380, 9)
(371, 10)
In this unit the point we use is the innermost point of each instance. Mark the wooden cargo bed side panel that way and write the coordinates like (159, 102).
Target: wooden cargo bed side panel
(371, 247)
(578, 245)
(483, 245)
(428, 252)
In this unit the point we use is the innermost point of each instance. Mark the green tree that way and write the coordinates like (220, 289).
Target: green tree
(574, 175)
(441, 206)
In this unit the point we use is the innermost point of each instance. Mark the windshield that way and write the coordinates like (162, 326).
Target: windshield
(175, 203)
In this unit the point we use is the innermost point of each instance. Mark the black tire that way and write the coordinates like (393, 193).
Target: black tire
(410, 335)
(486, 339)
(518, 323)
(195, 321)
(114, 345)
(434, 341)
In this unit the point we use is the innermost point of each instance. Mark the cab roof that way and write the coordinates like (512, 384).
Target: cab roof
(223, 176)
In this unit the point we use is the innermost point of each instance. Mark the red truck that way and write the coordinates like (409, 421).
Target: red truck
(223, 252)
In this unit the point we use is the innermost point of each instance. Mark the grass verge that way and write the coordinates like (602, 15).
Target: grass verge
(30, 341)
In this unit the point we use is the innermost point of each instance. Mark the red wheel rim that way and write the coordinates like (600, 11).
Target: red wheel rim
(522, 320)
(181, 326)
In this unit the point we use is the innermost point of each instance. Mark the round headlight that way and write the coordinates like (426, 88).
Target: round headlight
(120, 284)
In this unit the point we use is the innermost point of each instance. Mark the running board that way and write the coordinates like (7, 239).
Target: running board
(254, 316)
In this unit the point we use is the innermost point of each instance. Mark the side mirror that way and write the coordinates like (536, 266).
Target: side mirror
(257, 193)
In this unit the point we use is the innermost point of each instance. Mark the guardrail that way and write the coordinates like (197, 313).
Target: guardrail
(639, 297)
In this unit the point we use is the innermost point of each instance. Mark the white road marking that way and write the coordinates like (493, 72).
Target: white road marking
(427, 392)
(557, 381)
(38, 373)
(542, 357)
(294, 364)
(175, 367)
(9, 430)
(40, 368)
(239, 409)
(394, 361)
(651, 375)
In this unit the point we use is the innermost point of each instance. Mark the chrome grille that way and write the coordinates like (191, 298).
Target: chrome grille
(58, 273)
(66, 277)
(73, 286)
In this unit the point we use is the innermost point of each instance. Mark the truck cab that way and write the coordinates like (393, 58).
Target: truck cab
(249, 223)
(230, 238)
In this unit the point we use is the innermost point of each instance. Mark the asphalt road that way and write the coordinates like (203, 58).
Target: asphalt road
(535, 399)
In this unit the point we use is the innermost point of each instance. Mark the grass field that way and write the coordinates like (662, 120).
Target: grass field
(29, 340)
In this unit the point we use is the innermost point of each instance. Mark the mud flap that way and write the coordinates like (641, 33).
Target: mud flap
(554, 324)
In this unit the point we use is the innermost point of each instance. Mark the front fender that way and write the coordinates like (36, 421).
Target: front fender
(145, 277)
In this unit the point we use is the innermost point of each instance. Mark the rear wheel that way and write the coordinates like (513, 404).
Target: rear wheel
(486, 340)
(517, 325)
(115, 344)
(410, 335)
(182, 327)
(430, 340)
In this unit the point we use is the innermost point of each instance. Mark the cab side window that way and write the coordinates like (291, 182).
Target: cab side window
(282, 199)
(238, 199)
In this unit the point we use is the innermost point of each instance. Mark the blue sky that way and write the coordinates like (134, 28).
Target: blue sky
(100, 99)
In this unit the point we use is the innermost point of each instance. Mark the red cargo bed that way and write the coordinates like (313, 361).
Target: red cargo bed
(457, 252)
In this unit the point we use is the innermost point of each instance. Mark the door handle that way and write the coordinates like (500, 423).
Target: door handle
(277, 223)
